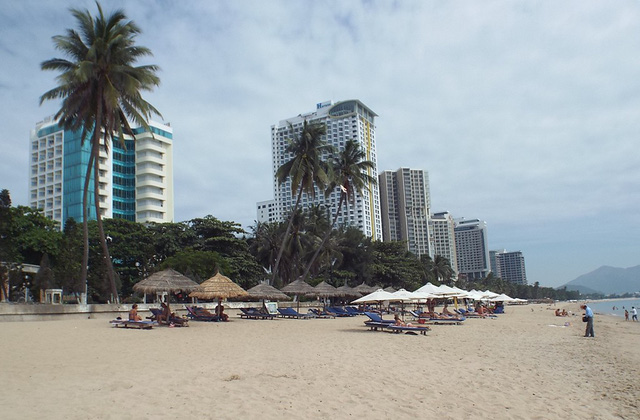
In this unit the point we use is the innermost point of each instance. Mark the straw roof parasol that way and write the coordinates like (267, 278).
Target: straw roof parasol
(168, 280)
(266, 291)
(324, 289)
(349, 291)
(389, 289)
(298, 287)
(364, 288)
(219, 287)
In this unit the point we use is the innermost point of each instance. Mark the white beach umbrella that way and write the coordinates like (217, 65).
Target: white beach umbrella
(377, 296)
(428, 288)
(501, 298)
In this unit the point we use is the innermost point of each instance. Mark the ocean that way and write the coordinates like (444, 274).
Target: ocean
(606, 306)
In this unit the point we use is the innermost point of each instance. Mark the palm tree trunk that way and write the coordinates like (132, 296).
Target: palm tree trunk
(103, 242)
(325, 237)
(85, 226)
(286, 237)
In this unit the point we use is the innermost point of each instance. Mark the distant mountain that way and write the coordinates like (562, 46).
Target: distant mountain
(607, 280)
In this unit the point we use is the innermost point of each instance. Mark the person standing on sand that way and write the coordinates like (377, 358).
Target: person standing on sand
(626, 315)
(588, 313)
(634, 314)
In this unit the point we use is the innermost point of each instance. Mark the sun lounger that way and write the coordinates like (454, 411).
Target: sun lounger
(353, 311)
(193, 313)
(141, 325)
(176, 321)
(291, 313)
(403, 328)
(253, 313)
(315, 313)
(339, 311)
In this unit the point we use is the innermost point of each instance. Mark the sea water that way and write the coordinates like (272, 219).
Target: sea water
(607, 306)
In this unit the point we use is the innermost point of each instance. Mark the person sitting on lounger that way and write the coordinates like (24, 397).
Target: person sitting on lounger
(133, 313)
(401, 323)
(164, 317)
(446, 311)
(220, 313)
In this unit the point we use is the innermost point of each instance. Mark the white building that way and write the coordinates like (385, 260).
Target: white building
(135, 181)
(509, 266)
(405, 206)
(443, 239)
(266, 211)
(472, 248)
(345, 120)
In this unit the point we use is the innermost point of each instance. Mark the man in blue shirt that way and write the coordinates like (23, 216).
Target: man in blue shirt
(589, 314)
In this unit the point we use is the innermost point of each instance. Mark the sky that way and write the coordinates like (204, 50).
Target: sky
(524, 113)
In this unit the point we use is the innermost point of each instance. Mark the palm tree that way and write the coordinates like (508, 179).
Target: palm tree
(348, 171)
(100, 89)
(306, 170)
(441, 269)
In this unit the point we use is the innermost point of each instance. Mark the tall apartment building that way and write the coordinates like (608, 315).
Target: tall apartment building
(509, 266)
(443, 238)
(135, 181)
(472, 248)
(405, 203)
(266, 211)
(345, 120)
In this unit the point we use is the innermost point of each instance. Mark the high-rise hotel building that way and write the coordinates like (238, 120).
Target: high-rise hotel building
(472, 248)
(509, 266)
(406, 204)
(443, 238)
(345, 120)
(135, 181)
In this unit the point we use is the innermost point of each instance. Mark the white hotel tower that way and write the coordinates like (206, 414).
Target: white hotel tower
(344, 120)
(135, 182)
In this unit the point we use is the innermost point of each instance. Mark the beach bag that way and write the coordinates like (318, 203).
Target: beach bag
(585, 318)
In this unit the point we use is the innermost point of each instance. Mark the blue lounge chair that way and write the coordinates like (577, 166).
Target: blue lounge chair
(402, 328)
(193, 313)
(339, 311)
(353, 311)
(292, 313)
(254, 313)
(376, 321)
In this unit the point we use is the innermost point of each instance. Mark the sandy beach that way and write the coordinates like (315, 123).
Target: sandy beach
(526, 364)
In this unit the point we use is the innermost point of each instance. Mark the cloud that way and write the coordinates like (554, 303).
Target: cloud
(524, 113)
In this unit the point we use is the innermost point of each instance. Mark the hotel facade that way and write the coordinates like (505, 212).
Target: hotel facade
(406, 204)
(135, 181)
(345, 120)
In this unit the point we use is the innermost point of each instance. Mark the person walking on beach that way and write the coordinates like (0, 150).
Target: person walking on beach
(588, 313)
(626, 315)
(634, 314)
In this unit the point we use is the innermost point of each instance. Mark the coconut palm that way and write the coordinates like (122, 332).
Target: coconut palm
(100, 89)
(441, 269)
(306, 169)
(349, 171)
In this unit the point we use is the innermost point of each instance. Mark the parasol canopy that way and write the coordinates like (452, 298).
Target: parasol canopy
(377, 296)
(364, 288)
(266, 291)
(298, 287)
(349, 291)
(168, 280)
(219, 287)
(324, 289)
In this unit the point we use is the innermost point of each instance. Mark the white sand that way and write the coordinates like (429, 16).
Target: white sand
(518, 366)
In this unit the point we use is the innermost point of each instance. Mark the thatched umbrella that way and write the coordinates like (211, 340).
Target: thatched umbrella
(266, 291)
(298, 287)
(166, 281)
(364, 288)
(218, 287)
(325, 290)
(349, 291)
(389, 289)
